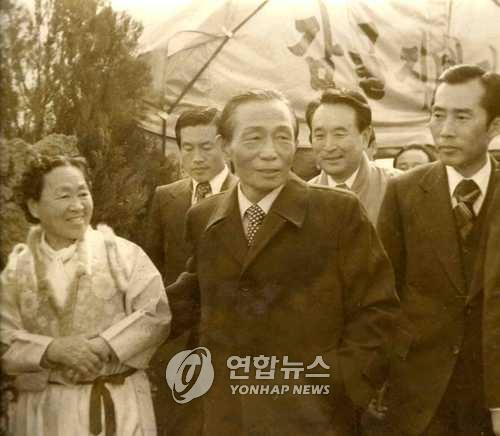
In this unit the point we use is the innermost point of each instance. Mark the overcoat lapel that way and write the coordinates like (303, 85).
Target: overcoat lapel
(181, 197)
(436, 215)
(226, 225)
(289, 206)
(361, 182)
(230, 181)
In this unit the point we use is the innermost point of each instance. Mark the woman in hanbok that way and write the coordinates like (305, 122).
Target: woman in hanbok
(82, 312)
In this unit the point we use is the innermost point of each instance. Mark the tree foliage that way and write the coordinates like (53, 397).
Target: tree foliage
(71, 67)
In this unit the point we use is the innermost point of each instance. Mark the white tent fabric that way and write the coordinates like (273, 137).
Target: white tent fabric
(393, 50)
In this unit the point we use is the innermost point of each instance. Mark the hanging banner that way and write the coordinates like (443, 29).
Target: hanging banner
(392, 50)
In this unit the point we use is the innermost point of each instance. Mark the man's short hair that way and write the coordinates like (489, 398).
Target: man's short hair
(226, 126)
(349, 97)
(491, 82)
(195, 117)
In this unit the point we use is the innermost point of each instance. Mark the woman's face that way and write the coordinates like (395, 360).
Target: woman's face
(65, 206)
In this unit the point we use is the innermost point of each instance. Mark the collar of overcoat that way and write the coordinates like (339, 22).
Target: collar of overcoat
(289, 207)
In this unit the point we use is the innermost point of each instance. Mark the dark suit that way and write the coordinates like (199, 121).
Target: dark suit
(316, 282)
(491, 308)
(169, 252)
(166, 243)
(439, 282)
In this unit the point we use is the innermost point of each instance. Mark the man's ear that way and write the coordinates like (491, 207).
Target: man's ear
(225, 146)
(33, 207)
(494, 128)
(366, 135)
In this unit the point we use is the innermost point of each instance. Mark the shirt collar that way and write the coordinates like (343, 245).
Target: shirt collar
(216, 182)
(265, 203)
(349, 181)
(481, 177)
(64, 253)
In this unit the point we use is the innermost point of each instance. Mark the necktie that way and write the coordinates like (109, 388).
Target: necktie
(342, 186)
(466, 193)
(202, 190)
(255, 217)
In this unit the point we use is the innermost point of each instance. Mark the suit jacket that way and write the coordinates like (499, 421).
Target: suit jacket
(316, 282)
(416, 225)
(369, 185)
(168, 250)
(166, 243)
(491, 307)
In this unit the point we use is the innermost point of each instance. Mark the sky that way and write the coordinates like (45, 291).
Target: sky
(149, 12)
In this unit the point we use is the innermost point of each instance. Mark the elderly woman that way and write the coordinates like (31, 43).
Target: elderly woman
(82, 313)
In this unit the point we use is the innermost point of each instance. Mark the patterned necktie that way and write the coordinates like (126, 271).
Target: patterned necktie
(466, 193)
(342, 186)
(255, 217)
(202, 190)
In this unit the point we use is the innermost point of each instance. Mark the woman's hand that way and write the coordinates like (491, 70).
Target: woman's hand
(76, 353)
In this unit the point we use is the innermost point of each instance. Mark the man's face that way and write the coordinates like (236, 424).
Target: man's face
(262, 146)
(201, 157)
(411, 159)
(336, 140)
(459, 126)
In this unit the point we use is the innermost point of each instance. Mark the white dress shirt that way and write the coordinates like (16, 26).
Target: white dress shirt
(265, 204)
(349, 181)
(482, 178)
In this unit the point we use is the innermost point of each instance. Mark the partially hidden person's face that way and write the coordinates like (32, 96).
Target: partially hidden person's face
(459, 126)
(262, 146)
(336, 140)
(201, 157)
(410, 159)
(65, 206)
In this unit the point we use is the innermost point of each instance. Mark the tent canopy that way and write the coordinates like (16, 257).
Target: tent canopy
(391, 50)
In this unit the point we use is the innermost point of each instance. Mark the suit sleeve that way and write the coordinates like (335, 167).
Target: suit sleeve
(184, 293)
(391, 233)
(491, 305)
(370, 303)
(155, 240)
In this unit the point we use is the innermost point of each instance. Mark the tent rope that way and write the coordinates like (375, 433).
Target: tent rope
(227, 37)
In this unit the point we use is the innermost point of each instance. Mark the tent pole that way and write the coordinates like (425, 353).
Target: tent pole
(163, 135)
(212, 57)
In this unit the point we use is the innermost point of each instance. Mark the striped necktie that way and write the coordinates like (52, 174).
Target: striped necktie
(466, 193)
